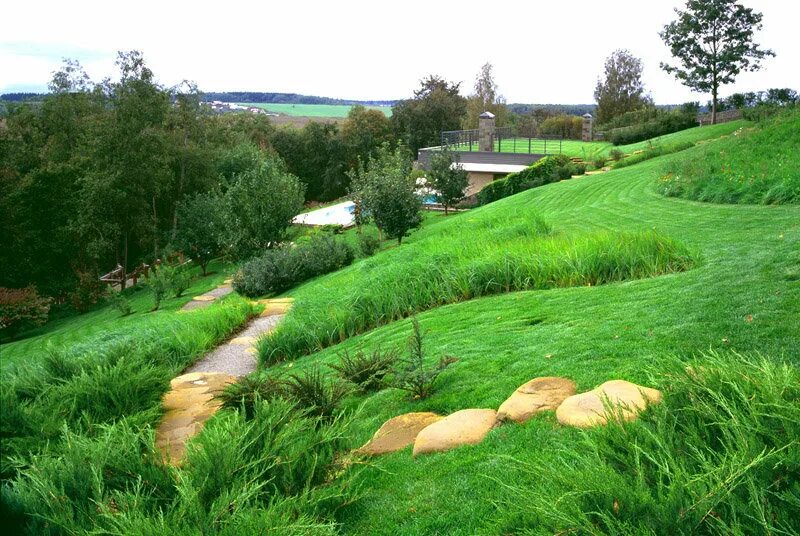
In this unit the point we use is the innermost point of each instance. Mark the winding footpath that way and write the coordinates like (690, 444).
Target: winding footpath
(191, 401)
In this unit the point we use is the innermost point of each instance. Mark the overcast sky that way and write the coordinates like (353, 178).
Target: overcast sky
(543, 52)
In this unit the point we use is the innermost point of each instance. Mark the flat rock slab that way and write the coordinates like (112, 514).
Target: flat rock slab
(204, 300)
(188, 405)
(237, 357)
(465, 427)
(539, 394)
(611, 400)
(398, 432)
(276, 306)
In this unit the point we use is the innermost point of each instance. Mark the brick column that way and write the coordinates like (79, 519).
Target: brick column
(586, 133)
(486, 131)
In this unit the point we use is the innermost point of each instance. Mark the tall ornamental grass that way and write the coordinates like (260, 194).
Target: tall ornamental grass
(272, 473)
(79, 389)
(720, 455)
(754, 167)
(469, 264)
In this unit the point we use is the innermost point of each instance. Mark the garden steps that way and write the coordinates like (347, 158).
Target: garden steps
(430, 433)
(204, 300)
(191, 401)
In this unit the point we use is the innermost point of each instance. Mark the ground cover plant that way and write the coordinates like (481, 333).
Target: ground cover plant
(461, 258)
(759, 165)
(741, 300)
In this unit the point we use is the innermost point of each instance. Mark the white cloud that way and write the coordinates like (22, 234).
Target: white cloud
(542, 51)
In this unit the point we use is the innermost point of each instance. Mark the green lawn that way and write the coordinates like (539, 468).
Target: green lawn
(105, 321)
(740, 296)
(313, 110)
(590, 150)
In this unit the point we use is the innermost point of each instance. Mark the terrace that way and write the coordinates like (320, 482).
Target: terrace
(489, 153)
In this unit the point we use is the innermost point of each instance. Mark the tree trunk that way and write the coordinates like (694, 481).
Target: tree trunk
(155, 229)
(714, 105)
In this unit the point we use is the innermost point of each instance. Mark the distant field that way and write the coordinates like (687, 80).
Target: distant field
(312, 110)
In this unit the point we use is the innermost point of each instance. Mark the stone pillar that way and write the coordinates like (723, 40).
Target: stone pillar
(486, 131)
(586, 133)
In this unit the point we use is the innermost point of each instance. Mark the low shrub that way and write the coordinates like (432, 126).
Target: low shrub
(665, 123)
(544, 171)
(599, 162)
(21, 309)
(368, 371)
(178, 278)
(119, 301)
(412, 374)
(369, 244)
(493, 191)
(88, 292)
(284, 267)
(159, 284)
(616, 155)
(719, 456)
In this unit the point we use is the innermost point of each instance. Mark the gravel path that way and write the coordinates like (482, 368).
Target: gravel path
(238, 356)
(212, 295)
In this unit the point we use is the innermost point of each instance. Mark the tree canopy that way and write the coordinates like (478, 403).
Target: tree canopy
(713, 42)
(621, 89)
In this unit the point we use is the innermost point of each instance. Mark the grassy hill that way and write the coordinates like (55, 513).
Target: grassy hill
(741, 296)
(594, 278)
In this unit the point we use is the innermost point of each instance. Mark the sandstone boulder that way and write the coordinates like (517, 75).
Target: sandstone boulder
(611, 399)
(539, 394)
(398, 432)
(465, 427)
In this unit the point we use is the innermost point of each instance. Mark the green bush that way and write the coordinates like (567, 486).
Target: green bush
(20, 309)
(599, 162)
(119, 301)
(412, 374)
(544, 171)
(719, 456)
(665, 123)
(159, 284)
(366, 370)
(282, 268)
(368, 243)
(616, 155)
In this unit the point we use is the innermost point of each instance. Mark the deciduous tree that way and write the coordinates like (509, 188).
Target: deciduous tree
(621, 89)
(448, 177)
(713, 41)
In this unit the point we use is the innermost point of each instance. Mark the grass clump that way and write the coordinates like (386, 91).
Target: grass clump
(720, 455)
(313, 392)
(84, 387)
(758, 166)
(272, 472)
(366, 370)
(520, 255)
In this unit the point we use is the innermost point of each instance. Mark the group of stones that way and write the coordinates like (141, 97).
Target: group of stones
(429, 432)
(191, 400)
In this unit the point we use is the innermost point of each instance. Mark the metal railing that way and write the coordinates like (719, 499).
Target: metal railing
(504, 140)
